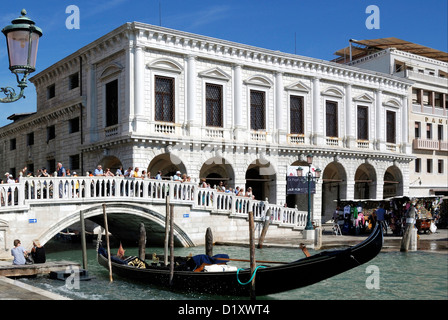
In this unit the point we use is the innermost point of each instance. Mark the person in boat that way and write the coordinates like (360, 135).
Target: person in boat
(38, 252)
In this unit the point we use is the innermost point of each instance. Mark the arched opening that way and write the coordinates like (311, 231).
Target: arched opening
(168, 164)
(262, 178)
(334, 187)
(215, 170)
(110, 162)
(365, 182)
(393, 182)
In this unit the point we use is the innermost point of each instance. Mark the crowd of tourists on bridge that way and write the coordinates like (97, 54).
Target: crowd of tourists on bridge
(131, 172)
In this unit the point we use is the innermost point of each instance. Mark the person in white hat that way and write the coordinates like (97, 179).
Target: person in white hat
(177, 176)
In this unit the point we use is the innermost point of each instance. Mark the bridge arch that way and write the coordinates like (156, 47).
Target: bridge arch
(124, 223)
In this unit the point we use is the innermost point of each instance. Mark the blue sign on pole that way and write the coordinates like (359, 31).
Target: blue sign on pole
(32, 220)
(186, 215)
(299, 185)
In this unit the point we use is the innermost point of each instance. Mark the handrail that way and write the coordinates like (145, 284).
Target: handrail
(35, 190)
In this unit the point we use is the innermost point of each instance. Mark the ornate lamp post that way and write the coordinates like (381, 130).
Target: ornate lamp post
(22, 38)
(310, 177)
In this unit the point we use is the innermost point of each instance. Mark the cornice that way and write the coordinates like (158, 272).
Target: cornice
(41, 117)
(185, 43)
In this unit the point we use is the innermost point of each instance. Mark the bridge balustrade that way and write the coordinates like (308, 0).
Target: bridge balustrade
(34, 190)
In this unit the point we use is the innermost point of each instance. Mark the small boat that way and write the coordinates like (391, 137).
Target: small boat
(268, 279)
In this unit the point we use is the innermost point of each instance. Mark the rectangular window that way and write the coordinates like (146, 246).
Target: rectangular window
(390, 127)
(426, 97)
(51, 166)
(440, 166)
(51, 133)
(73, 125)
(429, 131)
(257, 110)
(164, 99)
(213, 101)
(73, 81)
(418, 165)
(363, 123)
(112, 103)
(417, 130)
(51, 91)
(74, 162)
(438, 100)
(440, 132)
(296, 115)
(30, 139)
(416, 96)
(429, 165)
(12, 144)
(331, 119)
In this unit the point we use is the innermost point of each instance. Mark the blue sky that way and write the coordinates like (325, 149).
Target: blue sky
(310, 28)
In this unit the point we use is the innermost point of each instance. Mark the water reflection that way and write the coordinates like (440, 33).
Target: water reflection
(405, 276)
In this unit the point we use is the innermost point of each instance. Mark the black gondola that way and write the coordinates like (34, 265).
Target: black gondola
(268, 279)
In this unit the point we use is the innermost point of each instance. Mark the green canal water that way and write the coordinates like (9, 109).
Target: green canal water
(390, 276)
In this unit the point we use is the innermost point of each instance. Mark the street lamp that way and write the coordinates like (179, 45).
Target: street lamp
(22, 39)
(310, 177)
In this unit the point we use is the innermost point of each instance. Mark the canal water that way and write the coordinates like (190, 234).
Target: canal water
(390, 276)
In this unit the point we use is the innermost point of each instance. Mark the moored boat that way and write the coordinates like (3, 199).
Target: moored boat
(269, 279)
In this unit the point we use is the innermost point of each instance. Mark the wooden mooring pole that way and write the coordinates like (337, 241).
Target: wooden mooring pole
(252, 254)
(171, 244)
(167, 230)
(142, 242)
(83, 239)
(107, 242)
(209, 242)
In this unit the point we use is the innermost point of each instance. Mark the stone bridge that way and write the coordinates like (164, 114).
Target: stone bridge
(42, 207)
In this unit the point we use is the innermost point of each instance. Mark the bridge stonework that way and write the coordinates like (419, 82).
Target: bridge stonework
(39, 208)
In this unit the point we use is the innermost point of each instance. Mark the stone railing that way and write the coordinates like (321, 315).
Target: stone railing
(19, 196)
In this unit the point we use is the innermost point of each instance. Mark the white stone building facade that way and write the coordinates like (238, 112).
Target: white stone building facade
(161, 99)
(428, 110)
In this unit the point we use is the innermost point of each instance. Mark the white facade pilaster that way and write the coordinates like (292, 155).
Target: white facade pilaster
(139, 93)
(380, 128)
(317, 132)
(281, 125)
(237, 101)
(350, 113)
(191, 93)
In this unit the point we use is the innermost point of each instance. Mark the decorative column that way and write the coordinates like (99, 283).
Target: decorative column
(280, 123)
(380, 123)
(350, 137)
(405, 146)
(92, 109)
(316, 133)
(238, 102)
(192, 124)
(139, 94)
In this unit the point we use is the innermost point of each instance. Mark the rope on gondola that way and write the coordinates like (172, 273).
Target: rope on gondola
(250, 280)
